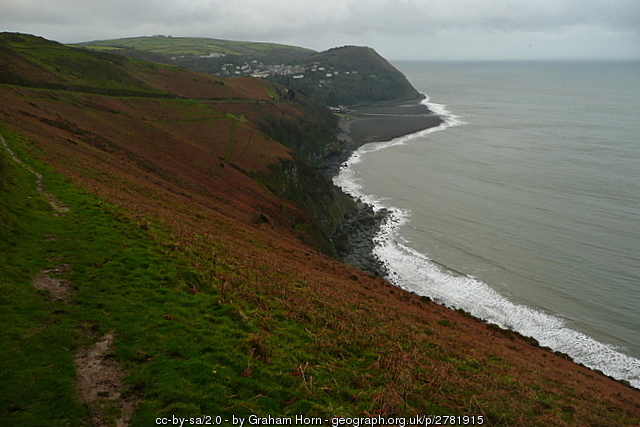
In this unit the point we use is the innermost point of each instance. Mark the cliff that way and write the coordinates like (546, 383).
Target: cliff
(154, 264)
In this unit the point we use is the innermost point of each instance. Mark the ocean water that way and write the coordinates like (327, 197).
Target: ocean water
(524, 207)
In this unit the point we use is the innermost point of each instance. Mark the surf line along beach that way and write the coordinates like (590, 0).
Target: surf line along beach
(382, 122)
(410, 270)
(379, 122)
(370, 123)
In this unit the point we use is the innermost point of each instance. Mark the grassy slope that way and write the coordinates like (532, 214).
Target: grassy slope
(192, 45)
(128, 279)
(215, 313)
(35, 61)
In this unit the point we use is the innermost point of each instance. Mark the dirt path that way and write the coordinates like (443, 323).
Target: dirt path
(59, 289)
(58, 207)
(99, 376)
(99, 384)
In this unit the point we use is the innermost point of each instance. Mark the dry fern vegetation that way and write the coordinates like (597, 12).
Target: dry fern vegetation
(196, 289)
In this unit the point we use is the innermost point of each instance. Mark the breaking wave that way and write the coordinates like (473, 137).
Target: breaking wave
(415, 272)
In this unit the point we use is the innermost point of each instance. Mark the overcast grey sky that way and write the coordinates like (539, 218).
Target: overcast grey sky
(397, 29)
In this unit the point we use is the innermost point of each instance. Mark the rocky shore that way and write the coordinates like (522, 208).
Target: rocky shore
(358, 126)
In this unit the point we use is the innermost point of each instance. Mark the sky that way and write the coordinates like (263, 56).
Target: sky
(397, 29)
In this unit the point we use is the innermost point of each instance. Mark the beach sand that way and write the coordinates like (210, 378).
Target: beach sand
(376, 123)
(384, 122)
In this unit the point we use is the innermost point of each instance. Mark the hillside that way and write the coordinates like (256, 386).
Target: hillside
(199, 46)
(349, 75)
(161, 257)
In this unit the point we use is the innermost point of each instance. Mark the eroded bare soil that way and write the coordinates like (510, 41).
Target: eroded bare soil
(99, 384)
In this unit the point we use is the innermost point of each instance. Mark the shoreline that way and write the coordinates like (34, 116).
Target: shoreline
(369, 121)
(378, 122)
(362, 125)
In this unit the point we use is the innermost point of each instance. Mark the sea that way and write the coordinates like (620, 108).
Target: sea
(523, 208)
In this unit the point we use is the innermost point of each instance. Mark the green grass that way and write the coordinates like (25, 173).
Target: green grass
(181, 351)
(74, 67)
(198, 333)
(35, 368)
(190, 342)
(191, 45)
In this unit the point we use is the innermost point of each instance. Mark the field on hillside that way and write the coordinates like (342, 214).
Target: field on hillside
(192, 46)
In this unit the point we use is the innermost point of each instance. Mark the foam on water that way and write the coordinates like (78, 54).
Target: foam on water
(415, 272)
(346, 178)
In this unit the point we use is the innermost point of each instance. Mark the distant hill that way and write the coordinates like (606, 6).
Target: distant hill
(347, 75)
(198, 46)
